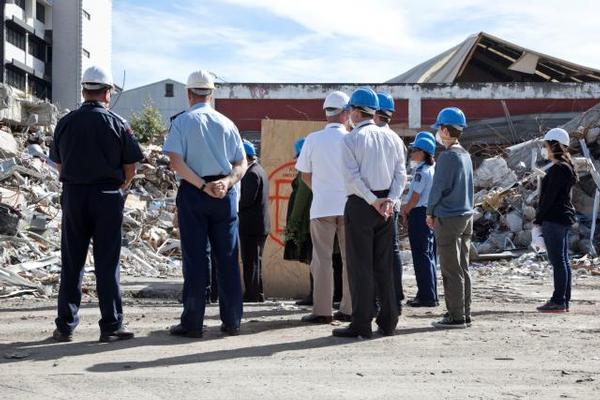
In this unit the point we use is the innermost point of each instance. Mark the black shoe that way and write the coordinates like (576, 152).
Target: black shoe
(317, 319)
(418, 303)
(349, 332)
(385, 332)
(307, 301)
(340, 316)
(179, 330)
(60, 336)
(120, 334)
(552, 308)
(448, 323)
(230, 330)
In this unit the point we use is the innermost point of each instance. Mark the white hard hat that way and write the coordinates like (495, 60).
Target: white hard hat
(558, 134)
(202, 80)
(96, 77)
(337, 101)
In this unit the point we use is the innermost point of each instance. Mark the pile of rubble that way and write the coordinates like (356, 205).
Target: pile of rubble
(30, 214)
(507, 191)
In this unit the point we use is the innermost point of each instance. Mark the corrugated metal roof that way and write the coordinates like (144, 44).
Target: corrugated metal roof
(485, 58)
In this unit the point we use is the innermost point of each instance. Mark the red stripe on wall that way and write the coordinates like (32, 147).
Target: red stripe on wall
(247, 113)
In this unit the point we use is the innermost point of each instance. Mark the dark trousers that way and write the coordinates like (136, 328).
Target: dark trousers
(556, 238)
(397, 260)
(369, 240)
(90, 212)
(201, 218)
(252, 250)
(422, 247)
(213, 287)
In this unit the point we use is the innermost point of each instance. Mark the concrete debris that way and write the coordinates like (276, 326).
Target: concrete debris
(509, 189)
(30, 214)
(494, 172)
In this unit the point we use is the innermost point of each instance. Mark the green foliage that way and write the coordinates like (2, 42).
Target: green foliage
(148, 125)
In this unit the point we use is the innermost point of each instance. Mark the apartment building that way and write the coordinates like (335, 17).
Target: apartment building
(47, 44)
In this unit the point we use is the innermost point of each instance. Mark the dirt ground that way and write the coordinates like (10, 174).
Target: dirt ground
(511, 352)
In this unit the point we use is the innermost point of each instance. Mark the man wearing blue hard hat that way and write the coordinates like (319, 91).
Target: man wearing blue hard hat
(374, 174)
(414, 213)
(254, 225)
(383, 116)
(450, 215)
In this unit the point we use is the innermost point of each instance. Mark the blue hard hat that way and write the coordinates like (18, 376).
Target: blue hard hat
(425, 144)
(366, 99)
(424, 134)
(249, 148)
(386, 102)
(450, 116)
(298, 146)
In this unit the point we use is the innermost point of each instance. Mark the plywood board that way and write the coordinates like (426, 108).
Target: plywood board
(282, 278)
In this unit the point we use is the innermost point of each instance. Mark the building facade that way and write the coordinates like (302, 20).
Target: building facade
(168, 96)
(47, 44)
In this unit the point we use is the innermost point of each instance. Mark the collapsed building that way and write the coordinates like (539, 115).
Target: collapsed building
(511, 96)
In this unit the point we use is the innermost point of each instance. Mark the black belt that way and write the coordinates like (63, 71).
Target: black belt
(213, 178)
(381, 194)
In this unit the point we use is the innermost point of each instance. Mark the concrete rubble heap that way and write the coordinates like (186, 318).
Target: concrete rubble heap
(507, 193)
(30, 214)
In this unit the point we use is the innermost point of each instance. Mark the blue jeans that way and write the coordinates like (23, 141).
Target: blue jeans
(422, 246)
(203, 218)
(556, 238)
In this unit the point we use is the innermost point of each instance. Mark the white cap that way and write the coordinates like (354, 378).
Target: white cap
(558, 134)
(338, 101)
(96, 77)
(202, 81)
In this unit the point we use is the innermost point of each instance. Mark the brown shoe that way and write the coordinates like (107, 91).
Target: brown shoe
(317, 319)
(62, 336)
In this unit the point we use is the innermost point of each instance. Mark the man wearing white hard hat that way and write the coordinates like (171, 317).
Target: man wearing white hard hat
(321, 165)
(206, 152)
(95, 152)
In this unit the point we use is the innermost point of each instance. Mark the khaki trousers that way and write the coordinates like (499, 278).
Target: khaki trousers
(322, 232)
(453, 236)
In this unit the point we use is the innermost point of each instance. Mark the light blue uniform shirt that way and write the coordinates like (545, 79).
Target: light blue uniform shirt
(421, 184)
(208, 141)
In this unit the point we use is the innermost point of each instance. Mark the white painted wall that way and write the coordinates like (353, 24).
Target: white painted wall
(71, 34)
(132, 101)
(11, 10)
(13, 52)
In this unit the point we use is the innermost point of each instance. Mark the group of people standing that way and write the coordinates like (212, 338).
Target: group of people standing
(349, 188)
(356, 179)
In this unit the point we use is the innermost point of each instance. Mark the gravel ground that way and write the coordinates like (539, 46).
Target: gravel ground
(511, 352)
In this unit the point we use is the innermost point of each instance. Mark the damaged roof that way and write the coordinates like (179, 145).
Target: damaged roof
(485, 58)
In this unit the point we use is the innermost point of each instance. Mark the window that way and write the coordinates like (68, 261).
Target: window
(87, 15)
(38, 88)
(15, 37)
(15, 78)
(20, 3)
(37, 49)
(169, 90)
(40, 12)
(86, 53)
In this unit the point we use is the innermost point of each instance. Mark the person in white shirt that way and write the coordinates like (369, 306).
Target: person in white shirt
(321, 165)
(375, 174)
(382, 118)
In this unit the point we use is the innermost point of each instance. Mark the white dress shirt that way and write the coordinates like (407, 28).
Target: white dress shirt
(321, 156)
(373, 161)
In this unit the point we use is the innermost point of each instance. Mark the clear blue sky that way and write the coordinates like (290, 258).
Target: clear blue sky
(331, 40)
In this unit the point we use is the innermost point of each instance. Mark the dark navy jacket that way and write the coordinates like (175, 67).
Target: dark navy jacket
(92, 144)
